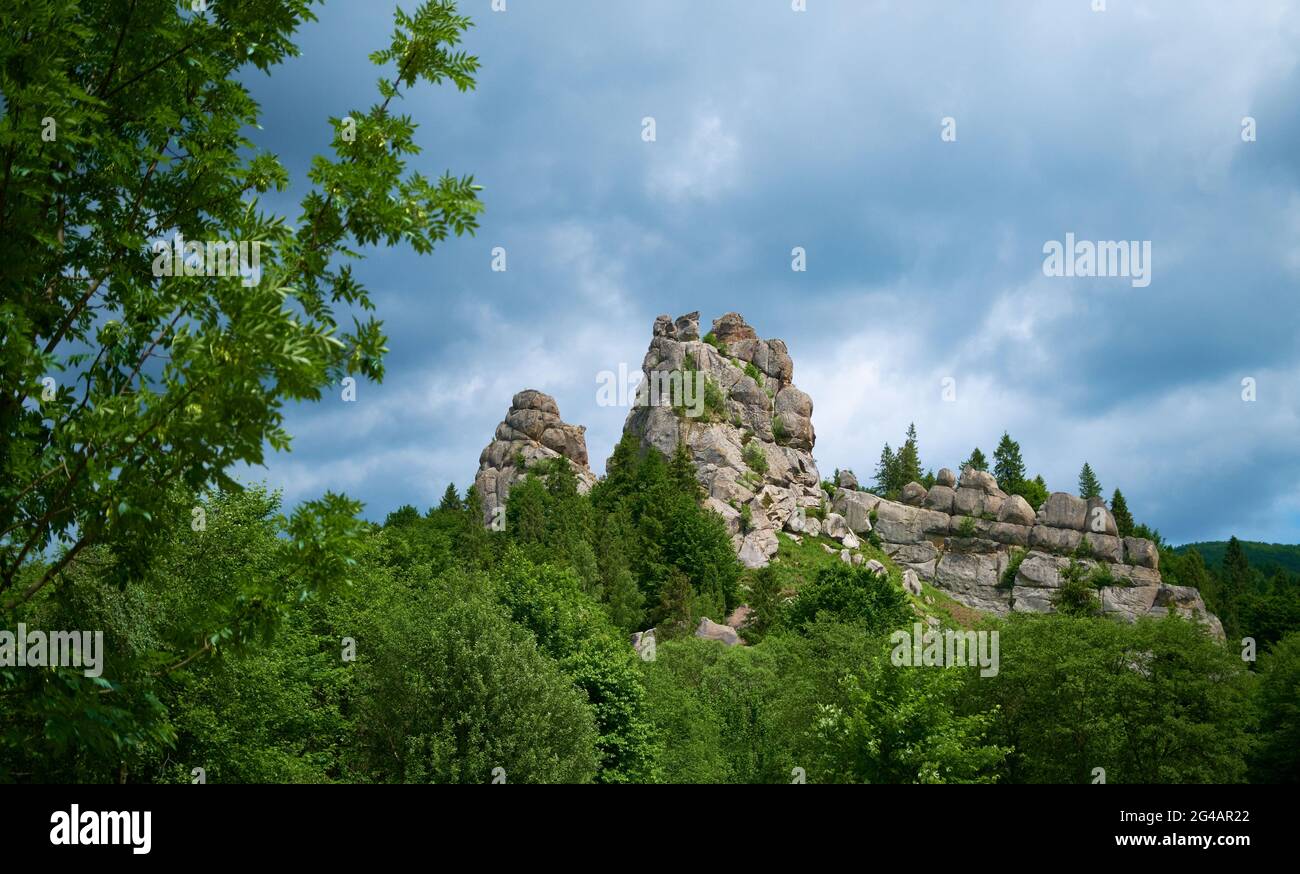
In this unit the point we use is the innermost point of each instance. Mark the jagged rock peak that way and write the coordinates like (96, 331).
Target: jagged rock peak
(747, 426)
(531, 432)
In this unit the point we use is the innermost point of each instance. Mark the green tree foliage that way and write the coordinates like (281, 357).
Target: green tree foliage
(1008, 466)
(1123, 518)
(885, 471)
(1277, 756)
(122, 385)
(1155, 702)
(976, 460)
(908, 460)
(850, 595)
(1034, 491)
(1089, 485)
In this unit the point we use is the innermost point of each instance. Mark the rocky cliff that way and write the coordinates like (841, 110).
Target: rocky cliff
(730, 398)
(993, 552)
(532, 432)
(751, 434)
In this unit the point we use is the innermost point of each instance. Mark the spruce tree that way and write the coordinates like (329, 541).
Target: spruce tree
(976, 460)
(450, 499)
(1008, 466)
(1123, 518)
(909, 462)
(885, 471)
(1089, 485)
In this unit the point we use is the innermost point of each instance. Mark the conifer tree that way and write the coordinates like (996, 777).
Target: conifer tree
(1089, 485)
(909, 462)
(1123, 518)
(1008, 466)
(450, 499)
(976, 461)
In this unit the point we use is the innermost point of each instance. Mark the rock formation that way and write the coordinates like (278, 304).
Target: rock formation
(962, 536)
(746, 425)
(532, 432)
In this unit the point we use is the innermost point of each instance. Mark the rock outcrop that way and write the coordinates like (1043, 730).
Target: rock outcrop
(531, 433)
(737, 410)
(964, 535)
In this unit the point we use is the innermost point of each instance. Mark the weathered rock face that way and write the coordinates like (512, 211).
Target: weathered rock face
(948, 537)
(532, 432)
(747, 426)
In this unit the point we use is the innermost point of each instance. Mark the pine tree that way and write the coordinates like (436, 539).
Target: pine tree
(1234, 586)
(450, 499)
(976, 460)
(681, 470)
(885, 470)
(1008, 466)
(765, 605)
(909, 462)
(1123, 518)
(1089, 485)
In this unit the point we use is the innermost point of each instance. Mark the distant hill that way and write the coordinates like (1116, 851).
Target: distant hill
(1260, 555)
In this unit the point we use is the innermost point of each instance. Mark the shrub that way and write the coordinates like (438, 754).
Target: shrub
(755, 458)
(753, 372)
(712, 339)
(852, 595)
(967, 528)
(1076, 597)
(715, 402)
(1013, 567)
(778, 430)
(746, 519)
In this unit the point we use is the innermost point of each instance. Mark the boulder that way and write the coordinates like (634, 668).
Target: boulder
(856, 508)
(967, 502)
(1063, 540)
(1015, 510)
(847, 481)
(1012, 535)
(836, 526)
(972, 579)
(1141, 552)
(850, 541)
(877, 568)
(710, 630)
(911, 582)
(939, 498)
(945, 478)
(732, 326)
(913, 494)
(980, 480)
(1100, 520)
(1064, 510)
(758, 548)
(1104, 547)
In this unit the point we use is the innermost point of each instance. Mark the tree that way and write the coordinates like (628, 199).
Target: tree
(1235, 585)
(1008, 466)
(1034, 491)
(1089, 485)
(765, 605)
(1277, 758)
(125, 373)
(908, 461)
(1123, 518)
(885, 471)
(451, 499)
(976, 461)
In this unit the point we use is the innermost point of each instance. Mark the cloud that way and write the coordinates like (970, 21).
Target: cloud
(821, 129)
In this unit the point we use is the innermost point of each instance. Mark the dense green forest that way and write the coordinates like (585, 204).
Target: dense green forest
(1264, 556)
(457, 650)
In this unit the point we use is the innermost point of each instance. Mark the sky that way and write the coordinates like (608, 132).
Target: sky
(922, 154)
